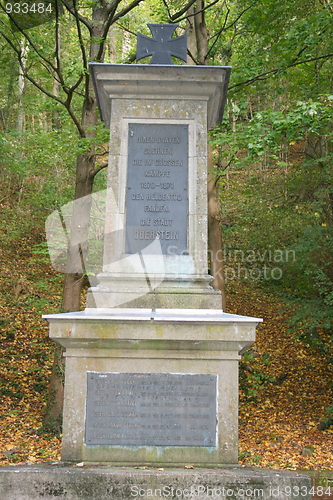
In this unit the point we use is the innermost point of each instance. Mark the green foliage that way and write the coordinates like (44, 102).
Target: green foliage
(327, 421)
(310, 281)
(277, 199)
(267, 131)
(37, 169)
(252, 381)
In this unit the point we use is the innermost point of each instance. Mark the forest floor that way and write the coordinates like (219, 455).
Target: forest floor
(286, 386)
(292, 386)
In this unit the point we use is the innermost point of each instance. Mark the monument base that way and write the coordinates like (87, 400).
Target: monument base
(191, 292)
(105, 483)
(157, 387)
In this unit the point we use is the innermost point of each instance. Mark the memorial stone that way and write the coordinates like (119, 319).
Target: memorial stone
(151, 409)
(155, 380)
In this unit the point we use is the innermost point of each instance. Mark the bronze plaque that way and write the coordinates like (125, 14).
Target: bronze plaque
(151, 409)
(157, 187)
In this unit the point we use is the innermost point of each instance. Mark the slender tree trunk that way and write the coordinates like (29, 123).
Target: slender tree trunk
(74, 277)
(78, 244)
(214, 234)
(200, 35)
(191, 37)
(111, 45)
(21, 85)
(56, 125)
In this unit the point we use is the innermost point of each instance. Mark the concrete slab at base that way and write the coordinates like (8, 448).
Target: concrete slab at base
(106, 483)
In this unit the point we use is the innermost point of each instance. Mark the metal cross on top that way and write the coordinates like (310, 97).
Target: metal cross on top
(161, 46)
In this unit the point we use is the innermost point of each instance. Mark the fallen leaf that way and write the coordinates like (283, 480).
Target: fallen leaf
(10, 451)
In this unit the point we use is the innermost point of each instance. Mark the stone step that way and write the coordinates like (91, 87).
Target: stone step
(64, 482)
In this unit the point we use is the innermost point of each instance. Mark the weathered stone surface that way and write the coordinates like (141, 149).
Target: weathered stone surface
(192, 292)
(158, 121)
(162, 97)
(106, 483)
(200, 83)
(144, 341)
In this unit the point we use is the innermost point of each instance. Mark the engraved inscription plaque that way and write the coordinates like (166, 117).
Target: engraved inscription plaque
(151, 409)
(157, 187)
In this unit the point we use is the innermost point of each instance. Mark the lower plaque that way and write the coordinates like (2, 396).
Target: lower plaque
(151, 409)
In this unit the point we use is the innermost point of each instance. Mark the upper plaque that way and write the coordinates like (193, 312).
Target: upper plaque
(157, 187)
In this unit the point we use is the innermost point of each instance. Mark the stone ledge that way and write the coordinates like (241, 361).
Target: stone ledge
(163, 329)
(63, 482)
(161, 81)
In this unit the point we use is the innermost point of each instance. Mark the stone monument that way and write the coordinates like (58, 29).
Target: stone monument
(152, 362)
(154, 381)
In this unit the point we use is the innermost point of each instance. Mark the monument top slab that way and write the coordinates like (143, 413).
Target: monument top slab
(157, 81)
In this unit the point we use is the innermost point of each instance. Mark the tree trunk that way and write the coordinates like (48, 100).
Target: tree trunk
(78, 243)
(74, 277)
(191, 37)
(21, 85)
(55, 397)
(214, 228)
(201, 33)
(214, 234)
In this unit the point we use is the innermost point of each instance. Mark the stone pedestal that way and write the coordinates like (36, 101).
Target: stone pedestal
(140, 341)
(158, 117)
(156, 381)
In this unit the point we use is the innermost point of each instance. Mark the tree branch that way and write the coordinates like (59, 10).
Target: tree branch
(192, 57)
(267, 74)
(218, 15)
(26, 36)
(112, 7)
(97, 170)
(126, 29)
(83, 51)
(181, 12)
(167, 8)
(233, 22)
(111, 12)
(57, 55)
(82, 19)
(127, 9)
(196, 12)
(66, 103)
(218, 34)
(112, 18)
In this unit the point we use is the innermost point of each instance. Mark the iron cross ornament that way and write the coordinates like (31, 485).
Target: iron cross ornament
(162, 46)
